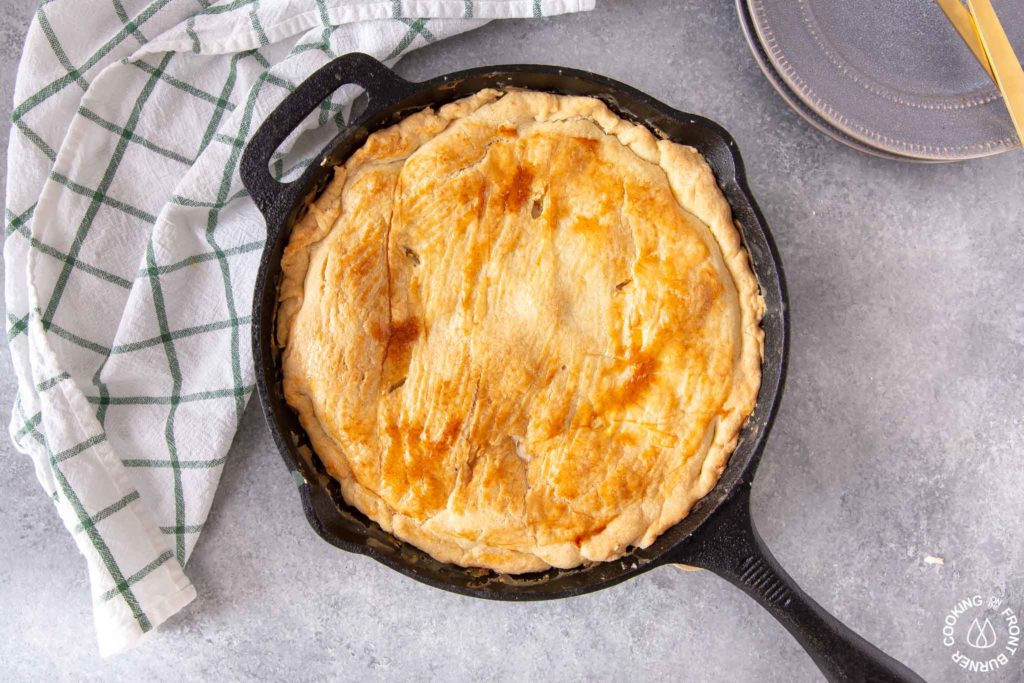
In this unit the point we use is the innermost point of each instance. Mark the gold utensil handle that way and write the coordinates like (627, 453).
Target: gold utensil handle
(1009, 75)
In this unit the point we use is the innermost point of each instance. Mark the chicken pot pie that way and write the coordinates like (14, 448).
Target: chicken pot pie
(520, 331)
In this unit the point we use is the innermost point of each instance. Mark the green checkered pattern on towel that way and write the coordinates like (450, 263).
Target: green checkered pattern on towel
(131, 251)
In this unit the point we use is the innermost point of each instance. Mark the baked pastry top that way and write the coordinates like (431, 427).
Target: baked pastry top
(521, 331)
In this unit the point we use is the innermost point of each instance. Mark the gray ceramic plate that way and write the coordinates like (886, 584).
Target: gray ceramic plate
(892, 74)
(805, 112)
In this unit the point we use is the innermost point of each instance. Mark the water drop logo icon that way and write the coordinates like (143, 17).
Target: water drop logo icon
(981, 636)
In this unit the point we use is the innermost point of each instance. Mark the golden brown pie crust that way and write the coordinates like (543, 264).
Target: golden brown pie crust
(521, 331)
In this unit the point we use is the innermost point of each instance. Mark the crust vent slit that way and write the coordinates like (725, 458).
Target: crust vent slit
(413, 256)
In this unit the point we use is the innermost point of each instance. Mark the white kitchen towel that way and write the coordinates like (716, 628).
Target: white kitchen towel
(132, 250)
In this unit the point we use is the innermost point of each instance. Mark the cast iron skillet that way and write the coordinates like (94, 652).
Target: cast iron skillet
(718, 534)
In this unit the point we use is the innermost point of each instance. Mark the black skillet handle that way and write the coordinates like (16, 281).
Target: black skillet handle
(732, 548)
(382, 85)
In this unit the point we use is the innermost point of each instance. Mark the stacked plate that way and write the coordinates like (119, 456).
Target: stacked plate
(889, 78)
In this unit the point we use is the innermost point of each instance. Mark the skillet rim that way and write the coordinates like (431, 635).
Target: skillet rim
(397, 98)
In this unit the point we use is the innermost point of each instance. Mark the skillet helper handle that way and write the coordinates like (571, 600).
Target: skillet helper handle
(733, 549)
(381, 84)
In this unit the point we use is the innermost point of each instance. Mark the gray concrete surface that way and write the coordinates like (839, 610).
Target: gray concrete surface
(900, 436)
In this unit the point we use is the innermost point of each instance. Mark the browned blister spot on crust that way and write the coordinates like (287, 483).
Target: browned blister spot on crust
(404, 333)
(588, 226)
(581, 538)
(449, 433)
(641, 375)
(519, 189)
